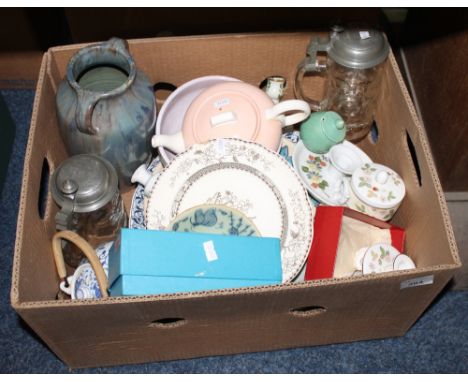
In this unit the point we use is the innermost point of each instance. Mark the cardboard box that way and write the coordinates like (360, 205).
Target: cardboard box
(155, 262)
(141, 329)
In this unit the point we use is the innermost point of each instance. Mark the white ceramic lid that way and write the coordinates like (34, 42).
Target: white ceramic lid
(171, 116)
(379, 258)
(230, 109)
(378, 186)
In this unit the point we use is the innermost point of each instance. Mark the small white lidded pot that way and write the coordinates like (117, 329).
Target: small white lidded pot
(376, 190)
(83, 283)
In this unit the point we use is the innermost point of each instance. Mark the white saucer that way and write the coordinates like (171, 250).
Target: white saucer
(323, 181)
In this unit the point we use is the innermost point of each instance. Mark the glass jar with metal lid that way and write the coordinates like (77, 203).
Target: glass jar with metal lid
(353, 71)
(86, 189)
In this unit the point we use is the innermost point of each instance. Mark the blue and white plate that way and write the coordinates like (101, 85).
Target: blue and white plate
(215, 219)
(137, 208)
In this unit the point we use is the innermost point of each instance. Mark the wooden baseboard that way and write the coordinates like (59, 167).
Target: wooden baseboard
(19, 70)
(456, 196)
(457, 203)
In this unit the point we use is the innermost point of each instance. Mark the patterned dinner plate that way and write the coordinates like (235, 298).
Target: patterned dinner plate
(139, 202)
(247, 177)
(215, 219)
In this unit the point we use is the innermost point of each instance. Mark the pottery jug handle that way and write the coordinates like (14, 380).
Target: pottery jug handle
(118, 43)
(87, 250)
(300, 111)
(84, 111)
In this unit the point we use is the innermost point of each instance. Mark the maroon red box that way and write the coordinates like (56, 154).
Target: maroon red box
(327, 230)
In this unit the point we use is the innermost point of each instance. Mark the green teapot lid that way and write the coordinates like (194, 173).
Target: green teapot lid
(333, 126)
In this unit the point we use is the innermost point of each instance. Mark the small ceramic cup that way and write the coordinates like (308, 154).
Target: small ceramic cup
(275, 88)
(347, 157)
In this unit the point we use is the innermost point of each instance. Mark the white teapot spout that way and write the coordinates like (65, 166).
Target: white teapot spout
(174, 142)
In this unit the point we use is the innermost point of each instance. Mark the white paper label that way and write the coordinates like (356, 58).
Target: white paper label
(426, 280)
(221, 102)
(220, 119)
(364, 35)
(210, 252)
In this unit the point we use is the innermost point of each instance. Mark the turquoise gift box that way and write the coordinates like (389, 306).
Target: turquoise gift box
(143, 262)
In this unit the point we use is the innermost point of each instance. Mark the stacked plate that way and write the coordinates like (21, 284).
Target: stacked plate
(253, 189)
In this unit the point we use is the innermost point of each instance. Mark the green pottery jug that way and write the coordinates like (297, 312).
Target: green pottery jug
(106, 106)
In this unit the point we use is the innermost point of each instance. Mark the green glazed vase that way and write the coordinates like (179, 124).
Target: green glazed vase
(322, 130)
(106, 106)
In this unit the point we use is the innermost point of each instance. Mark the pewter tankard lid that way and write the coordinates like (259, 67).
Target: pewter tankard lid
(358, 48)
(84, 183)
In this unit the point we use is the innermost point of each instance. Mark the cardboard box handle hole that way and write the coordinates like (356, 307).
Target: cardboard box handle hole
(374, 133)
(414, 157)
(163, 88)
(43, 200)
(167, 323)
(264, 82)
(308, 311)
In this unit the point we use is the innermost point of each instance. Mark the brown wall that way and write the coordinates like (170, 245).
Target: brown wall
(434, 41)
(436, 51)
(25, 33)
(102, 23)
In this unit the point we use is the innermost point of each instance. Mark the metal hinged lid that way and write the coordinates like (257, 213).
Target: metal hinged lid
(358, 48)
(84, 183)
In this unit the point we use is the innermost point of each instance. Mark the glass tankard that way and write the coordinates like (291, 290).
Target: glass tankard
(353, 71)
(85, 187)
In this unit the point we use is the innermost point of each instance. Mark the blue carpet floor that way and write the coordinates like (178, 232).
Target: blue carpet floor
(437, 343)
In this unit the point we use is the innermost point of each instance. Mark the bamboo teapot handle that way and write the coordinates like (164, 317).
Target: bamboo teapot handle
(88, 252)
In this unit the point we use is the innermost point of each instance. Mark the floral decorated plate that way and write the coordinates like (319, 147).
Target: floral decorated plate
(247, 177)
(324, 182)
(139, 202)
(216, 219)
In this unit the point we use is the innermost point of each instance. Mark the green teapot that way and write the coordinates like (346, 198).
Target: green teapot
(322, 130)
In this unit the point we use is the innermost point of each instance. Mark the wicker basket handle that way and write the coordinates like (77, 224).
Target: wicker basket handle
(88, 252)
